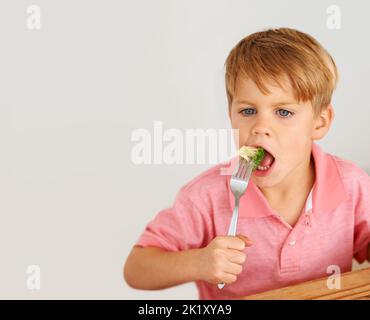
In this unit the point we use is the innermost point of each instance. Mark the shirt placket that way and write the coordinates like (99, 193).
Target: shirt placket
(291, 251)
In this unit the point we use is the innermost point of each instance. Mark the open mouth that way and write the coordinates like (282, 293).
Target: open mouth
(266, 163)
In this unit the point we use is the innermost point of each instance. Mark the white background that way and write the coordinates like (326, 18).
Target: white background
(72, 93)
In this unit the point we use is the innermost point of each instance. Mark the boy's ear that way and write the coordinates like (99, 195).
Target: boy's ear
(322, 123)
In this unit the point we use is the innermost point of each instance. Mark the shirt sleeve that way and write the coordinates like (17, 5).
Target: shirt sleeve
(362, 221)
(181, 227)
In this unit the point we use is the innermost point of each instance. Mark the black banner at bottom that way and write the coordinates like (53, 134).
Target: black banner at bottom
(182, 309)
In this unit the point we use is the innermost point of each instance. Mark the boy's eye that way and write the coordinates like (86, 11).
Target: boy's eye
(247, 112)
(282, 112)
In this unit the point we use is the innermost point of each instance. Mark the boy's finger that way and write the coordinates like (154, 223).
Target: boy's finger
(246, 240)
(237, 242)
(236, 256)
(231, 242)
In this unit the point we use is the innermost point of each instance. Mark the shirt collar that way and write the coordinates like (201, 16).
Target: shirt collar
(327, 193)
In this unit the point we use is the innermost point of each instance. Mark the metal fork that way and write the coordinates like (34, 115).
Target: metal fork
(238, 184)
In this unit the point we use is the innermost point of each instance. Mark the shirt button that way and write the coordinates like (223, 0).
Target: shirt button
(292, 243)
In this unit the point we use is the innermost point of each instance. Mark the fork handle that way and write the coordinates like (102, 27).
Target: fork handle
(221, 285)
(234, 219)
(232, 228)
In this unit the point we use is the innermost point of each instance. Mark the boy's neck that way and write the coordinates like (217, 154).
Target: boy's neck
(295, 186)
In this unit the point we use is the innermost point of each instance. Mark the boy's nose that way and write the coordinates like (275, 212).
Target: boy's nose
(261, 129)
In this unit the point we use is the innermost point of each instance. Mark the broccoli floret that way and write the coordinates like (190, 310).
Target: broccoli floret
(252, 154)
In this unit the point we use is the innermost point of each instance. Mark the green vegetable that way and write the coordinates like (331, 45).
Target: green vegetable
(252, 154)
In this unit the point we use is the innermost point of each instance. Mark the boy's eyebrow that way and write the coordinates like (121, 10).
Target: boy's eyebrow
(281, 103)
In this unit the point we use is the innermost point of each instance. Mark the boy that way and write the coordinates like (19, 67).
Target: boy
(304, 211)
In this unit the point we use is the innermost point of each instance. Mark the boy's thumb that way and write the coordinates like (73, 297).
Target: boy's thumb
(246, 240)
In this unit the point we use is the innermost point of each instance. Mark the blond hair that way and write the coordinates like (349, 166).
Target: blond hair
(276, 53)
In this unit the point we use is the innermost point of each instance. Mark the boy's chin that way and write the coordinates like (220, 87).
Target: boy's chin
(263, 183)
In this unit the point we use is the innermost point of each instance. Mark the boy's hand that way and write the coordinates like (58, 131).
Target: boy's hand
(222, 259)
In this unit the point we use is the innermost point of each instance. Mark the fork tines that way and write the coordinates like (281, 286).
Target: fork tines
(242, 170)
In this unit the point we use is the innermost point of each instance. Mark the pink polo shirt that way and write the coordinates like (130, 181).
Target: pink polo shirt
(333, 228)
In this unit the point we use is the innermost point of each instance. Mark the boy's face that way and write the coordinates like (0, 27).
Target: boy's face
(280, 125)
